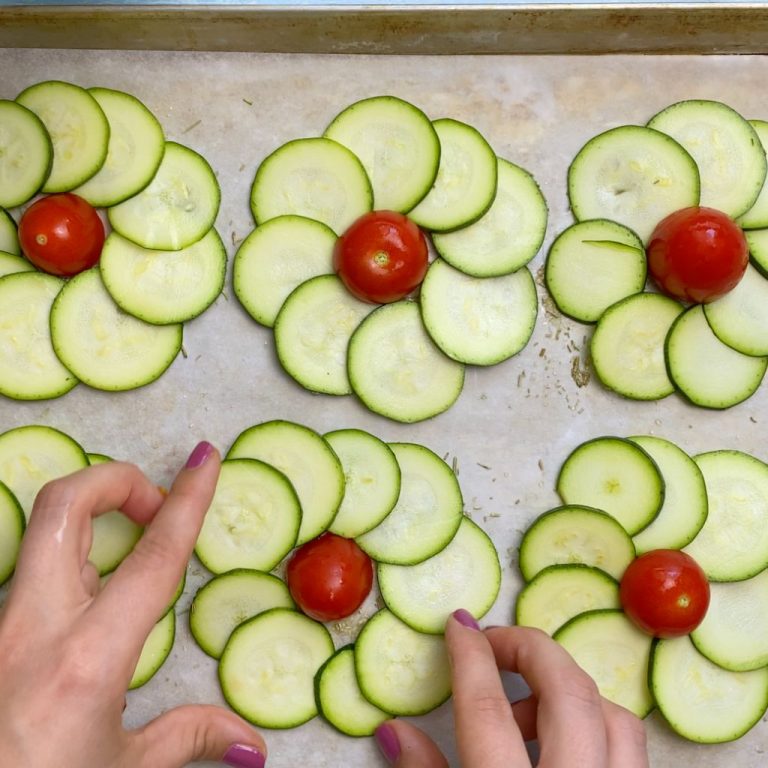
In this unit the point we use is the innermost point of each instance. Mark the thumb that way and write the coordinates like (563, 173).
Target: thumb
(405, 746)
(199, 732)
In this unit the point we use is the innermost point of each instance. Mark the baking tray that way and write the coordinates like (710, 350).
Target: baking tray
(515, 422)
(447, 28)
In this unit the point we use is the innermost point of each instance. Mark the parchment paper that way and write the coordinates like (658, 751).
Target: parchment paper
(514, 423)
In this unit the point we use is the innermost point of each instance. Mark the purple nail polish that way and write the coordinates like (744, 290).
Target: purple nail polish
(388, 742)
(243, 756)
(465, 618)
(199, 456)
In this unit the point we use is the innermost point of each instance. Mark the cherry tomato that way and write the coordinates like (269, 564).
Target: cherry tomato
(665, 592)
(61, 234)
(329, 577)
(697, 254)
(382, 257)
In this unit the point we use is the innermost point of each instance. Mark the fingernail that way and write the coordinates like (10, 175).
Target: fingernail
(465, 618)
(243, 756)
(388, 742)
(199, 456)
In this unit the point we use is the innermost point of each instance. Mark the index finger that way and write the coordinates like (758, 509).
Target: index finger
(59, 534)
(570, 724)
(487, 735)
(144, 583)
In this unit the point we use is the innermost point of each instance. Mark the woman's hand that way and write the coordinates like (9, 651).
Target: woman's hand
(574, 725)
(68, 649)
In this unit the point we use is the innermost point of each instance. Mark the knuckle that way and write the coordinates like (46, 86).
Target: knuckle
(580, 688)
(492, 707)
(630, 726)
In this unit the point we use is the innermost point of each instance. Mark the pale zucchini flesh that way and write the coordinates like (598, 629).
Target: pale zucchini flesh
(627, 347)
(307, 461)
(466, 574)
(229, 599)
(685, 506)
(176, 208)
(114, 534)
(26, 154)
(277, 257)
(156, 649)
(135, 149)
(707, 371)
(33, 455)
(253, 519)
(701, 701)
(9, 238)
(78, 129)
(397, 145)
(633, 175)
(397, 370)
(740, 317)
(757, 241)
(615, 475)
(559, 592)
(726, 148)
(312, 333)
(103, 346)
(340, 700)
(268, 667)
(465, 186)
(164, 287)
(614, 653)
(733, 542)
(400, 670)
(757, 216)
(575, 535)
(10, 264)
(371, 481)
(478, 320)
(29, 367)
(507, 236)
(734, 631)
(317, 178)
(592, 265)
(427, 514)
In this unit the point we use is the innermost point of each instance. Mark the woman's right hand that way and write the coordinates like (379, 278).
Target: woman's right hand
(574, 725)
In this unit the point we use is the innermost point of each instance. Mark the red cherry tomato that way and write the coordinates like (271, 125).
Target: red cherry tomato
(697, 254)
(329, 577)
(61, 234)
(665, 592)
(382, 257)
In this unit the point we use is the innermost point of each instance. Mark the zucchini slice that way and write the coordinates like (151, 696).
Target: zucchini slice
(397, 145)
(614, 653)
(733, 543)
(253, 519)
(277, 257)
(268, 668)
(685, 506)
(29, 367)
(317, 178)
(559, 592)
(157, 647)
(726, 148)
(466, 181)
(397, 370)
(229, 599)
(478, 320)
(428, 512)
(371, 481)
(700, 700)
(592, 265)
(103, 346)
(401, 671)
(340, 700)
(308, 463)
(615, 475)
(10, 264)
(466, 574)
(633, 175)
(507, 236)
(9, 237)
(757, 216)
(575, 534)
(12, 526)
